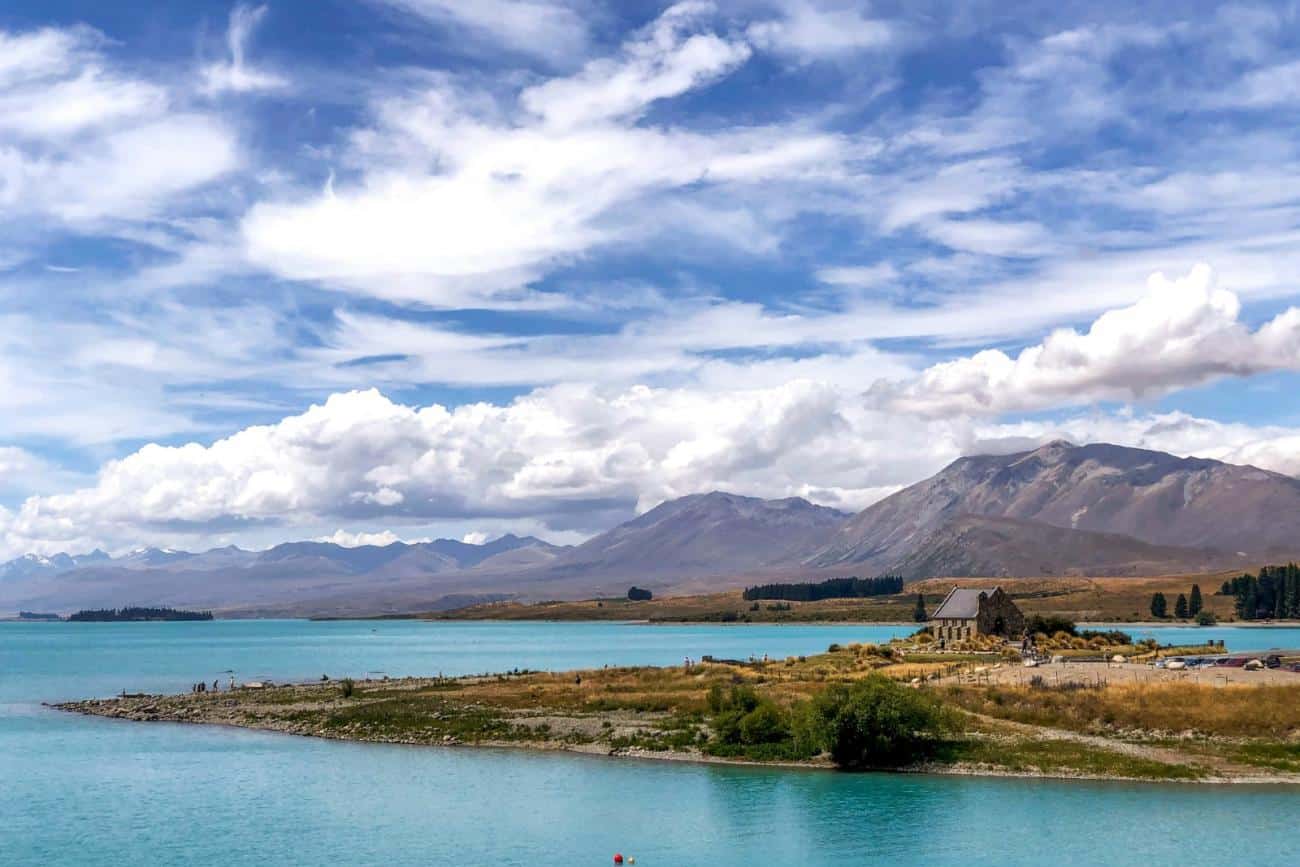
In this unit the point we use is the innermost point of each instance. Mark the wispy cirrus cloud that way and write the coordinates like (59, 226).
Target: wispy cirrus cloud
(236, 73)
(81, 142)
(550, 29)
(462, 197)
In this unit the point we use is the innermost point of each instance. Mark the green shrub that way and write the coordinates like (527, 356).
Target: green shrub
(749, 725)
(1049, 624)
(875, 722)
(347, 686)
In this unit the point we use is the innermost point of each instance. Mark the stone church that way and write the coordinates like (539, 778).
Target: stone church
(970, 611)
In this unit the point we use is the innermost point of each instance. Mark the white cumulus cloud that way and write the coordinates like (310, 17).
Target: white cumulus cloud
(560, 455)
(1183, 332)
(381, 538)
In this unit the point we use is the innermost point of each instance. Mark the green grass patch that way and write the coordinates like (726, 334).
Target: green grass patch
(419, 717)
(1060, 756)
(1273, 756)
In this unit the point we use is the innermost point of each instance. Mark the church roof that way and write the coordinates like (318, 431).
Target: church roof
(961, 603)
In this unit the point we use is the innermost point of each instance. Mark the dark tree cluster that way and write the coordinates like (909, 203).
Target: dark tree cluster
(637, 594)
(834, 588)
(1184, 606)
(123, 615)
(1274, 593)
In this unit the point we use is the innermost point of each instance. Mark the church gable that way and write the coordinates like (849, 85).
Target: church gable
(970, 611)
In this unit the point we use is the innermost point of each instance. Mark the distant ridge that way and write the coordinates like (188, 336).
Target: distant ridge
(1192, 509)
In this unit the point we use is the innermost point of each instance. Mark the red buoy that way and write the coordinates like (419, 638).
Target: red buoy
(618, 858)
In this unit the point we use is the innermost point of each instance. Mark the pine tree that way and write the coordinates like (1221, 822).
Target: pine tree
(1250, 604)
(1195, 604)
(1180, 607)
(918, 613)
(1159, 606)
(1226, 589)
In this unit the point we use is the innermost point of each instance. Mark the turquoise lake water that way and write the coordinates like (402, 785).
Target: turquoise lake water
(77, 790)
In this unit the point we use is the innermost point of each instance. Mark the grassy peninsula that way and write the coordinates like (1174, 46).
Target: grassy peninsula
(898, 707)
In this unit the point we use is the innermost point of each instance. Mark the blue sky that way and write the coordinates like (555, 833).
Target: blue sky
(410, 268)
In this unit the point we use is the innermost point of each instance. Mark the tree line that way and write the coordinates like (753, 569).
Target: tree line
(833, 588)
(119, 615)
(1273, 593)
(1184, 607)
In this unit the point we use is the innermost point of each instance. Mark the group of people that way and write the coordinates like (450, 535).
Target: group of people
(202, 686)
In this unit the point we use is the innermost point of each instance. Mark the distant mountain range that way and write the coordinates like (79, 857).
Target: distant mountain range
(1056, 510)
(276, 579)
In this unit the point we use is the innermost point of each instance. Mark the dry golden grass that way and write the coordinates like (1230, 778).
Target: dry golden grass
(1081, 599)
(667, 689)
(1095, 599)
(1236, 711)
(726, 607)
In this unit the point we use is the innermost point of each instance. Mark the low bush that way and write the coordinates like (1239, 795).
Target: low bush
(1108, 637)
(746, 724)
(1049, 624)
(874, 722)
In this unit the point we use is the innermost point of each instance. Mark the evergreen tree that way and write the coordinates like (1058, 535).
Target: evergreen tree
(1180, 607)
(1226, 589)
(918, 613)
(1195, 604)
(1159, 606)
(1250, 603)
